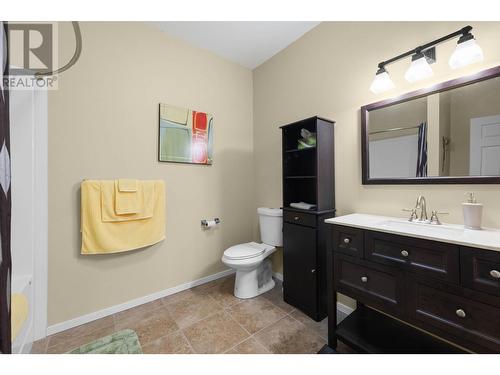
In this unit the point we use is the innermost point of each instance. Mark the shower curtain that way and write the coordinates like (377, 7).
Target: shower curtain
(5, 199)
(422, 150)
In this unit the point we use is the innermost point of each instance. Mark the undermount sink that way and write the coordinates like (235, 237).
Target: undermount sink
(419, 226)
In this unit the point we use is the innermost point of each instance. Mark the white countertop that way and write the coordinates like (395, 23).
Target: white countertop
(485, 238)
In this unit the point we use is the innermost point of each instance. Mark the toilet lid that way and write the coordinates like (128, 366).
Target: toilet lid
(245, 250)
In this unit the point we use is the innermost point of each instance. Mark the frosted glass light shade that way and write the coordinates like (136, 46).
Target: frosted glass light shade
(466, 53)
(418, 70)
(381, 83)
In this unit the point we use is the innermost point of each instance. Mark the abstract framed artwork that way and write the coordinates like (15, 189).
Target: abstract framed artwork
(185, 136)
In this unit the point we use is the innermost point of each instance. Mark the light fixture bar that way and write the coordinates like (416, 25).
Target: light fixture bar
(463, 31)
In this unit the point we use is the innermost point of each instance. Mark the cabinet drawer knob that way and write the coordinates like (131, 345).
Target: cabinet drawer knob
(495, 274)
(364, 279)
(347, 240)
(404, 253)
(460, 313)
(313, 271)
(296, 218)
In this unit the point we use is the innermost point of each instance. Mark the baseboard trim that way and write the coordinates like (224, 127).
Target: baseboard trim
(278, 276)
(343, 311)
(63, 326)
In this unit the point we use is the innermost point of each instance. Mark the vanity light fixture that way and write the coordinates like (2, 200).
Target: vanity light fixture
(467, 52)
(419, 68)
(382, 82)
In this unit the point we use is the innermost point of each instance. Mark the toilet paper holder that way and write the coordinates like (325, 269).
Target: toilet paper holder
(204, 222)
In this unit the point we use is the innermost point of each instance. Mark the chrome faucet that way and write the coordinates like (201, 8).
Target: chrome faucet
(421, 204)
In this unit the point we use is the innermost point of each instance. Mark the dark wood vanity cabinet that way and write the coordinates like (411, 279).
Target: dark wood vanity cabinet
(308, 176)
(450, 291)
(304, 264)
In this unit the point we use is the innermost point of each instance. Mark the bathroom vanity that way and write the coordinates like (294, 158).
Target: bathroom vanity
(408, 278)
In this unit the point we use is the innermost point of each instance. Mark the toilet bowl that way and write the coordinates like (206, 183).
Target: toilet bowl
(253, 269)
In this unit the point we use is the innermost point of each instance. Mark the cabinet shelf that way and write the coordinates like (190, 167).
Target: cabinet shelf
(368, 331)
(299, 150)
(299, 177)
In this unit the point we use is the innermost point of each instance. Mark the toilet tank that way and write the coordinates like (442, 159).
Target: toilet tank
(271, 225)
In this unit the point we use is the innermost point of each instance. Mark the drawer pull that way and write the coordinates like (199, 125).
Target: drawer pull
(364, 279)
(313, 270)
(347, 240)
(296, 218)
(460, 313)
(404, 253)
(495, 274)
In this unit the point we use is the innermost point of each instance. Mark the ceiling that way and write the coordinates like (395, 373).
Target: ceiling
(245, 43)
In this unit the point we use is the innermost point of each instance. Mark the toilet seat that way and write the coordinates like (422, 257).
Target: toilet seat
(246, 250)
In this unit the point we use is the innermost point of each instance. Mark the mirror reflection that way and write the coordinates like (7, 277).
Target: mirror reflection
(450, 133)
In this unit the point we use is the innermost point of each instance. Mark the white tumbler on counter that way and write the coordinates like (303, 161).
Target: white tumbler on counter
(473, 212)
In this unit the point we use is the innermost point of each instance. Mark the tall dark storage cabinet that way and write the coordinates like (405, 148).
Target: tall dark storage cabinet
(308, 176)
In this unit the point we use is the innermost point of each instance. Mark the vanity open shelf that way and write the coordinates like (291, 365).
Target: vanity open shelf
(369, 331)
(447, 284)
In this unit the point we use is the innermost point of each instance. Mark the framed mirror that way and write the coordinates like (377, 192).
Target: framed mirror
(448, 133)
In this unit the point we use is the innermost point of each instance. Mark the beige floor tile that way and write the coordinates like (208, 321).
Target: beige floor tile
(344, 349)
(321, 328)
(138, 312)
(174, 343)
(190, 307)
(74, 337)
(255, 314)
(149, 326)
(40, 346)
(249, 346)
(275, 296)
(223, 292)
(290, 337)
(74, 342)
(215, 334)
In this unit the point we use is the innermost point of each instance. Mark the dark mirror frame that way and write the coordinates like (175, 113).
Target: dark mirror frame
(440, 87)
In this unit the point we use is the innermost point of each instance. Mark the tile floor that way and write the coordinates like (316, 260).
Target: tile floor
(206, 319)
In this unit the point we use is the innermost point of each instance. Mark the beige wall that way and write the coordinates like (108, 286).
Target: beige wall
(328, 72)
(103, 124)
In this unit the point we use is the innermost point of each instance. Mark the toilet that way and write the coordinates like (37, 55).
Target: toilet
(253, 269)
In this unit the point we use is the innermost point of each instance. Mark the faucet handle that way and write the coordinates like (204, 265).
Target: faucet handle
(434, 217)
(413, 213)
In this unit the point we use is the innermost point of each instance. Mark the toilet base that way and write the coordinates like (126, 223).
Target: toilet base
(247, 282)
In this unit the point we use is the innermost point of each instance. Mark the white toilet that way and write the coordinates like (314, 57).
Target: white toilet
(253, 270)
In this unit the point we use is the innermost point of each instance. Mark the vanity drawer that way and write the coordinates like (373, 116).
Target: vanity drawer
(435, 259)
(461, 317)
(301, 218)
(481, 270)
(379, 288)
(347, 240)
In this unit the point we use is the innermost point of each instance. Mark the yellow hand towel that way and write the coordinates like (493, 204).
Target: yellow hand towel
(122, 234)
(127, 185)
(19, 313)
(127, 198)
(145, 201)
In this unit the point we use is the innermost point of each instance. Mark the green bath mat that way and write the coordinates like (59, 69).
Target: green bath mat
(122, 342)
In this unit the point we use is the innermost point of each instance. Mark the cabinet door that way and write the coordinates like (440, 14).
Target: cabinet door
(299, 268)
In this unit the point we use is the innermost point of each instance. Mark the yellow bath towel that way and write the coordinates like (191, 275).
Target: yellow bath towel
(110, 198)
(19, 304)
(103, 237)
